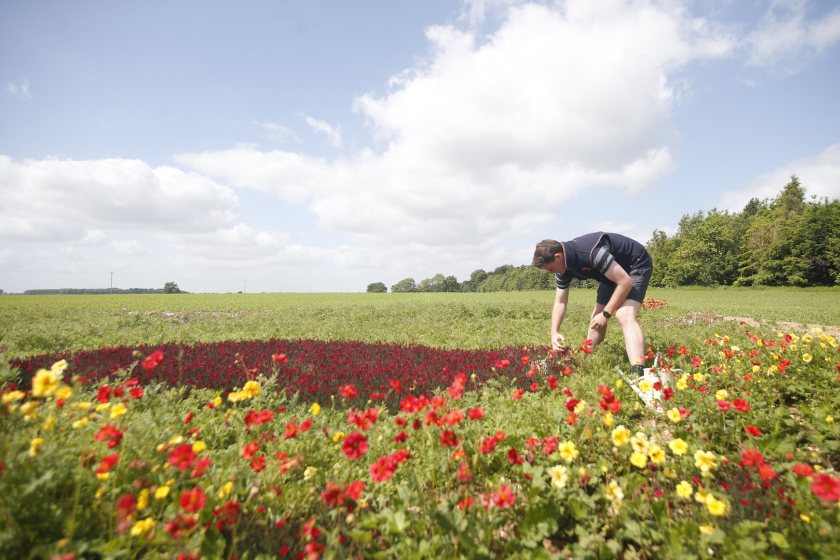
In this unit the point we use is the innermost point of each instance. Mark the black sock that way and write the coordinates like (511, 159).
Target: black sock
(638, 370)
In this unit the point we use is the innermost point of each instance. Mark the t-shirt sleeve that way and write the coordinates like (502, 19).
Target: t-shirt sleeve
(602, 258)
(562, 281)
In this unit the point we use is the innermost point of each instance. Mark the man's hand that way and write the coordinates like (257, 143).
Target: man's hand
(599, 322)
(558, 341)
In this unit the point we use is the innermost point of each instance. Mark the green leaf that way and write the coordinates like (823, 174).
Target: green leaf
(779, 540)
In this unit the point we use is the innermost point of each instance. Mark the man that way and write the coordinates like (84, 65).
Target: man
(621, 265)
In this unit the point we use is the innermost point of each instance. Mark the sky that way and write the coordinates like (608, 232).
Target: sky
(321, 146)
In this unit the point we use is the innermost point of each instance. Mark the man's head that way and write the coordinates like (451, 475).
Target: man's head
(546, 253)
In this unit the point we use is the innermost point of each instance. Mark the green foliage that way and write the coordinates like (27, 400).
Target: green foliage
(377, 288)
(171, 288)
(403, 286)
(784, 242)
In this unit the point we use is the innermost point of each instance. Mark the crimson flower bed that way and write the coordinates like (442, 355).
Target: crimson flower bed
(314, 369)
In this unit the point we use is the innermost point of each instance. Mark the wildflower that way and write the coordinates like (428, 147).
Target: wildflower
(110, 434)
(107, 463)
(504, 496)
(754, 431)
(140, 528)
(383, 469)
(35, 446)
(656, 453)
(829, 419)
(620, 436)
(338, 436)
(803, 469)
(805, 518)
(258, 463)
(674, 415)
(475, 413)
(678, 446)
(143, 499)
(706, 529)
(721, 394)
(45, 383)
(463, 473)
(704, 460)
(568, 451)
(225, 490)
(716, 507)
(639, 442)
(162, 492)
(193, 500)
(125, 505)
(741, 405)
(182, 457)
(684, 490)
(12, 396)
(607, 419)
(118, 410)
(348, 391)
(807, 358)
(315, 409)
(152, 361)
(355, 446)
(559, 476)
(826, 487)
(309, 473)
(638, 460)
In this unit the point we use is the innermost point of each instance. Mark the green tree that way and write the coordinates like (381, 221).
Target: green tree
(404, 285)
(377, 288)
(171, 288)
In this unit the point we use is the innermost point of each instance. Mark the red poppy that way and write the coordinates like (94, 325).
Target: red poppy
(348, 391)
(107, 463)
(754, 431)
(383, 469)
(475, 413)
(152, 361)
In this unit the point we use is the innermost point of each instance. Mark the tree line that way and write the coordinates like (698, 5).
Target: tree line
(789, 240)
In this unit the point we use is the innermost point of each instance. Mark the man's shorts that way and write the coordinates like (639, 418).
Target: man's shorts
(640, 278)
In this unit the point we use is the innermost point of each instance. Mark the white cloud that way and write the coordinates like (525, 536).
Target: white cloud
(819, 174)
(61, 199)
(332, 133)
(558, 102)
(278, 131)
(788, 35)
(19, 89)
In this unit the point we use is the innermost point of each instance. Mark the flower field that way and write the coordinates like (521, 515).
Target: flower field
(313, 449)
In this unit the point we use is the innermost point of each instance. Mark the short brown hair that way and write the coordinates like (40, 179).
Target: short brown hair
(545, 251)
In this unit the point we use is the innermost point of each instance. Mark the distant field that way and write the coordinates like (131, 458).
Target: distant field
(37, 324)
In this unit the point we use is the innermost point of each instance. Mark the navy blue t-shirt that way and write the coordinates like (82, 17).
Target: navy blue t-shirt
(589, 256)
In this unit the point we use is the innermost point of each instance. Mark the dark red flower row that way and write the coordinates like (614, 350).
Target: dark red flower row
(315, 369)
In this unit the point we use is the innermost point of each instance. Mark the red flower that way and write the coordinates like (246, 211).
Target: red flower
(333, 496)
(110, 434)
(182, 457)
(354, 489)
(504, 497)
(475, 413)
(249, 449)
(400, 437)
(751, 458)
(180, 525)
(517, 394)
(826, 487)
(803, 469)
(463, 473)
(107, 463)
(126, 505)
(258, 463)
(724, 405)
(514, 458)
(766, 472)
(254, 418)
(354, 446)
(348, 391)
(465, 503)
(152, 361)
(201, 466)
(193, 500)
(104, 394)
(383, 469)
(396, 385)
(448, 438)
(741, 405)
(501, 364)
(754, 431)
(279, 358)
(136, 393)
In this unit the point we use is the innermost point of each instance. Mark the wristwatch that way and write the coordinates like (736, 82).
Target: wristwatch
(606, 314)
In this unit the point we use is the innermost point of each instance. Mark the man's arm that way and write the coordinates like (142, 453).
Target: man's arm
(623, 285)
(558, 312)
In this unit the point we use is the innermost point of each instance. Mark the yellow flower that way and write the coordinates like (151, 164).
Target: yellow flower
(656, 453)
(805, 358)
(568, 451)
(607, 419)
(805, 518)
(249, 391)
(102, 406)
(678, 446)
(707, 529)
(620, 436)
(118, 410)
(161, 492)
(685, 490)
(35, 446)
(80, 423)
(339, 436)
(48, 423)
(704, 460)
(716, 507)
(756, 369)
(829, 419)
(645, 385)
(699, 377)
(28, 408)
(63, 392)
(217, 401)
(702, 496)
(721, 394)
(559, 476)
(45, 383)
(59, 367)
(12, 396)
(175, 440)
(226, 489)
(619, 383)
(580, 407)
(614, 491)
(143, 499)
(682, 383)
(670, 473)
(315, 409)
(199, 446)
(638, 460)
(639, 442)
(140, 528)
(674, 415)
(309, 472)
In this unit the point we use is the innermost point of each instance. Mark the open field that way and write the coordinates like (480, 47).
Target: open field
(40, 324)
(258, 447)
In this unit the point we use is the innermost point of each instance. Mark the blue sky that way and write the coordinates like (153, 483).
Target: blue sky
(325, 145)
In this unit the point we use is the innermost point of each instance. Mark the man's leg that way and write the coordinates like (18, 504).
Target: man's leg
(634, 339)
(596, 336)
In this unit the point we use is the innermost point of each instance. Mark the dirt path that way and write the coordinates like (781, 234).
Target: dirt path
(786, 326)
